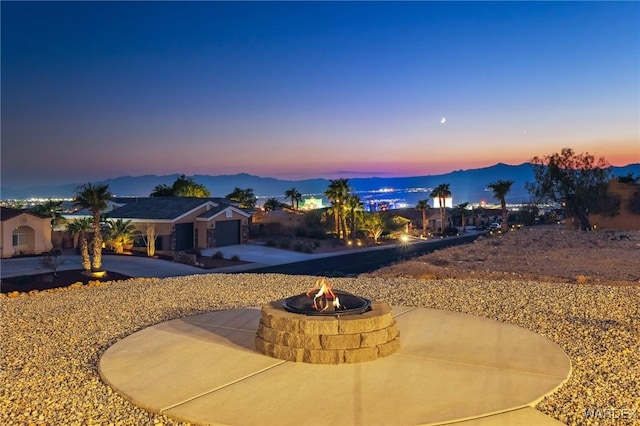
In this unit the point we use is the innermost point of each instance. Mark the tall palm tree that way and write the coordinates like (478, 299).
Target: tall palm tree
(423, 206)
(441, 192)
(78, 228)
(295, 197)
(121, 233)
(353, 204)
(337, 193)
(94, 198)
(500, 190)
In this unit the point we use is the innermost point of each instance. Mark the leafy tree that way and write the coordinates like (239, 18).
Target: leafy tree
(500, 190)
(441, 192)
(271, 204)
(575, 181)
(52, 260)
(120, 234)
(337, 193)
(149, 238)
(78, 228)
(94, 198)
(294, 196)
(182, 187)
(245, 197)
(423, 206)
(374, 224)
(528, 213)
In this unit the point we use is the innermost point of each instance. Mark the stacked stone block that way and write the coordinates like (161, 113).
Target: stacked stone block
(327, 339)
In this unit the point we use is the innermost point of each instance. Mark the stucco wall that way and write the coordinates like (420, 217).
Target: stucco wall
(39, 239)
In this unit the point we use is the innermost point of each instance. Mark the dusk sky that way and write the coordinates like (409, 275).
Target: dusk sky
(295, 90)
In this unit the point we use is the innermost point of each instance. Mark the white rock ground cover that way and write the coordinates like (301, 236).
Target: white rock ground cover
(51, 342)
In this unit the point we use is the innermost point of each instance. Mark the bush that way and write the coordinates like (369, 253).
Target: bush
(186, 258)
(270, 243)
(298, 246)
(235, 258)
(285, 244)
(217, 255)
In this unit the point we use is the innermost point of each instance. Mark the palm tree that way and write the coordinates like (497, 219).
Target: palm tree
(423, 206)
(353, 204)
(121, 233)
(78, 228)
(245, 197)
(271, 204)
(162, 191)
(337, 193)
(461, 209)
(441, 192)
(94, 198)
(500, 190)
(295, 197)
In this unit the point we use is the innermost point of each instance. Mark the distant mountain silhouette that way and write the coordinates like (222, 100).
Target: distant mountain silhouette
(466, 185)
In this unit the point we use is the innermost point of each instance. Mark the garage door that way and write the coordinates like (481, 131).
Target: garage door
(227, 233)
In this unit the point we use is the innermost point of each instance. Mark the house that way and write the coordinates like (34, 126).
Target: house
(185, 223)
(24, 232)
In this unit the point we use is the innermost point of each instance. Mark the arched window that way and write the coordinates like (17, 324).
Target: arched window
(21, 236)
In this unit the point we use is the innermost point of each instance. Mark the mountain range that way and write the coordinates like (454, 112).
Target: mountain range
(466, 185)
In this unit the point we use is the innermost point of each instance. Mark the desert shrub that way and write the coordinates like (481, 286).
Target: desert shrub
(217, 255)
(316, 244)
(298, 246)
(235, 258)
(581, 279)
(439, 262)
(284, 243)
(270, 243)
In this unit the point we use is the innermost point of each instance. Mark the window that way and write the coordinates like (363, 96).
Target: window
(20, 237)
(229, 213)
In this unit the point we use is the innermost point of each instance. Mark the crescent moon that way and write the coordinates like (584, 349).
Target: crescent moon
(443, 120)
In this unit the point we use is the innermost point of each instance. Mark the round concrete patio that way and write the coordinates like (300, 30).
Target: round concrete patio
(450, 367)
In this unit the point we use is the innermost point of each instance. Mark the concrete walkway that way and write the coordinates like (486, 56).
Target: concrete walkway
(451, 367)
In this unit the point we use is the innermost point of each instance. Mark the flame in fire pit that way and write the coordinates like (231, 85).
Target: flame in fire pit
(324, 296)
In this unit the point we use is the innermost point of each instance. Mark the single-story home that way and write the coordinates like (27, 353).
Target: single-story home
(185, 223)
(24, 232)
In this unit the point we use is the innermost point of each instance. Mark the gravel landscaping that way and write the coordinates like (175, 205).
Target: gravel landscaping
(51, 342)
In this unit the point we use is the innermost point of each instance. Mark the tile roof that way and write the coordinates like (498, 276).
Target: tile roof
(158, 208)
(7, 213)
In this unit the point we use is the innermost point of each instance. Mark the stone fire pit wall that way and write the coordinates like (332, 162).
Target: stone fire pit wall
(327, 339)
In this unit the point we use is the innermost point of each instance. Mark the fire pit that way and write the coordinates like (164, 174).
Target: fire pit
(326, 301)
(326, 326)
